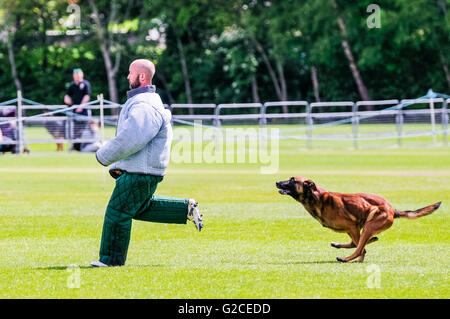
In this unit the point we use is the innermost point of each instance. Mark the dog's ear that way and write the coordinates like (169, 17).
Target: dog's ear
(309, 184)
(310, 193)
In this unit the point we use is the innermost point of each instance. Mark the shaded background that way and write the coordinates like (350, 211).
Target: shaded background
(217, 51)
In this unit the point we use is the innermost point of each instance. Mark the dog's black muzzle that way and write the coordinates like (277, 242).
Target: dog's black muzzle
(284, 187)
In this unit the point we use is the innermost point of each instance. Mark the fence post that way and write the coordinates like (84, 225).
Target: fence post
(399, 124)
(433, 120)
(263, 119)
(216, 121)
(355, 125)
(102, 118)
(170, 108)
(20, 141)
(309, 126)
(445, 122)
(102, 135)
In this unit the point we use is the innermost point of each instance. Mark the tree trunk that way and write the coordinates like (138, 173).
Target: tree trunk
(443, 7)
(255, 94)
(283, 86)
(110, 74)
(315, 83)
(45, 22)
(111, 71)
(349, 55)
(272, 73)
(184, 69)
(163, 80)
(355, 72)
(12, 62)
(445, 68)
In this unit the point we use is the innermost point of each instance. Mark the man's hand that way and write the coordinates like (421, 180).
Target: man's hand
(115, 173)
(67, 100)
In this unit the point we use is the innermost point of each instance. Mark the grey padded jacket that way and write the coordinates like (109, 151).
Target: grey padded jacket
(143, 137)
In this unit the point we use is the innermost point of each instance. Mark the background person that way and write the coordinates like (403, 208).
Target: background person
(91, 133)
(79, 92)
(6, 147)
(8, 133)
(58, 130)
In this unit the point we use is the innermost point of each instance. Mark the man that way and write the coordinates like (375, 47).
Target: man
(6, 147)
(91, 133)
(140, 154)
(8, 132)
(79, 93)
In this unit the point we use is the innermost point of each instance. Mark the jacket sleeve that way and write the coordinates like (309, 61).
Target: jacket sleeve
(141, 126)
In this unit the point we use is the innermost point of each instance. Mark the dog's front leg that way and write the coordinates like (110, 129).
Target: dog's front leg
(352, 244)
(354, 235)
(338, 245)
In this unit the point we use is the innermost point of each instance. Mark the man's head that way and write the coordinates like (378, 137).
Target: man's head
(93, 125)
(141, 73)
(78, 75)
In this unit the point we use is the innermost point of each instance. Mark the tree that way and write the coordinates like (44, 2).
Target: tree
(188, 29)
(349, 55)
(11, 22)
(107, 16)
(443, 32)
(217, 51)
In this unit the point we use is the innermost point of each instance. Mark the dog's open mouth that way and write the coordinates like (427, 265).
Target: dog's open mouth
(282, 189)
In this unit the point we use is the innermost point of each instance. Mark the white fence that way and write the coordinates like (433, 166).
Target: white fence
(311, 122)
(314, 117)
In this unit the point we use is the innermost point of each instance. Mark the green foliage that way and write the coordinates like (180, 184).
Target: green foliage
(403, 58)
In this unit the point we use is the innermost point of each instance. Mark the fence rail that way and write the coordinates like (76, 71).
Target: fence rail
(311, 117)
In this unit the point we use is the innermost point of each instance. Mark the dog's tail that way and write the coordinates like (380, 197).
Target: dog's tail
(417, 213)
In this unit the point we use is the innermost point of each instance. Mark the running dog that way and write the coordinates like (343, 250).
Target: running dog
(348, 213)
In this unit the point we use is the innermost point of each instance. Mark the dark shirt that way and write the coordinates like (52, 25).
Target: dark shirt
(78, 91)
(8, 129)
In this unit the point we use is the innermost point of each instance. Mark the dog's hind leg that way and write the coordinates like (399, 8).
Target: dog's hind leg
(361, 257)
(376, 225)
(365, 236)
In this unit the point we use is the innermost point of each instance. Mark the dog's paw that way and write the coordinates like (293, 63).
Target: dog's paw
(373, 239)
(341, 260)
(335, 245)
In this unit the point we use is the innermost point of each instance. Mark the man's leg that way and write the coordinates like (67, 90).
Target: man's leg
(131, 193)
(79, 127)
(164, 209)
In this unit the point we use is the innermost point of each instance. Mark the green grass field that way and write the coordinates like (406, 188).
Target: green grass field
(255, 244)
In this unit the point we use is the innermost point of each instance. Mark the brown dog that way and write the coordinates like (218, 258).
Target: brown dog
(348, 213)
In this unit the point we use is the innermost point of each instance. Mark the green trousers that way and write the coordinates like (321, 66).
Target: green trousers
(133, 198)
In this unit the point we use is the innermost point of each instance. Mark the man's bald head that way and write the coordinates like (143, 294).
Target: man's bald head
(141, 73)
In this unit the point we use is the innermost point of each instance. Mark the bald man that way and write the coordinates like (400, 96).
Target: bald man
(139, 155)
